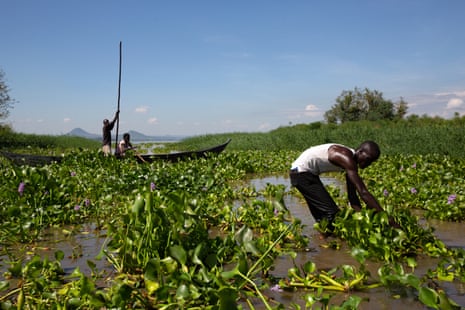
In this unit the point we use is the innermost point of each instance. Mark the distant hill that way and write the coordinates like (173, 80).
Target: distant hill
(79, 132)
(135, 136)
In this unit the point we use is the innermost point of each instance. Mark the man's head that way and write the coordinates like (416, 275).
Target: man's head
(106, 122)
(126, 136)
(367, 153)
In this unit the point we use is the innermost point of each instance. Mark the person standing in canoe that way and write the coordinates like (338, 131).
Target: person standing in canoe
(305, 176)
(106, 131)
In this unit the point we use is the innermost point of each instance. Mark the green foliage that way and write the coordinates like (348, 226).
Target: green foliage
(368, 105)
(6, 102)
(43, 144)
(415, 136)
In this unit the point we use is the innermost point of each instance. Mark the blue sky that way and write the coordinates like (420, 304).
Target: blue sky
(200, 67)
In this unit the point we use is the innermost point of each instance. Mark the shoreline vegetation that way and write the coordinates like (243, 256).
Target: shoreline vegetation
(414, 135)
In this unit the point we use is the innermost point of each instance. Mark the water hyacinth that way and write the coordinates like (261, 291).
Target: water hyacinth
(77, 207)
(276, 288)
(21, 188)
(385, 193)
(73, 173)
(87, 202)
(152, 186)
(451, 199)
(413, 190)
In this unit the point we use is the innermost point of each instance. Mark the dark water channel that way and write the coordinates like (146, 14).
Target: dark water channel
(85, 243)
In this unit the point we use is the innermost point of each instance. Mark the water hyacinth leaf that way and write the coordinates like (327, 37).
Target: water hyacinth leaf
(138, 206)
(245, 237)
(204, 275)
(228, 297)
(349, 271)
(412, 262)
(170, 265)
(429, 297)
(230, 273)
(87, 286)
(59, 255)
(76, 273)
(413, 281)
(152, 269)
(151, 286)
(195, 257)
(359, 254)
(15, 268)
(182, 292)
(178, 253)
(279, 206)
(309, 267)
(4, 285)
(446, 276)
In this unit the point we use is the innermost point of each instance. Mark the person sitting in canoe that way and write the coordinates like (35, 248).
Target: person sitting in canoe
(124, 145)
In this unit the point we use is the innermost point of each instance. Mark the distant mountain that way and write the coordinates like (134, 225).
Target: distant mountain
(79, 132)
(135, 136)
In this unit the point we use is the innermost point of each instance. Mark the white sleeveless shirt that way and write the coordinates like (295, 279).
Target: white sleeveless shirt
(315, 160)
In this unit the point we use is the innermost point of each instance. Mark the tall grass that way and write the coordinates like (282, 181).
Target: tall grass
(411, 136)
(11, 140)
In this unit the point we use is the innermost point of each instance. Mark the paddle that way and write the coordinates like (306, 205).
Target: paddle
(119, 92)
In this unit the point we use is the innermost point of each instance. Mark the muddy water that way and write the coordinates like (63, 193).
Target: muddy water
(83, 243)
(325, 258)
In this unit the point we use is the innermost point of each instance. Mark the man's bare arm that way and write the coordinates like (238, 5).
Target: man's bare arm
(344, 158)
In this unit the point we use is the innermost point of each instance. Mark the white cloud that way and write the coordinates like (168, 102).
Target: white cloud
(442, 104)
(142, 109)
(152, 120)
(66, 120)
(454, 103)
(460, 93)
(312, 110)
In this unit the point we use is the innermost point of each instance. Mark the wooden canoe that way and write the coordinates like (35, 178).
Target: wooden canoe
(37, 160)
(176, 156)
(30, 159)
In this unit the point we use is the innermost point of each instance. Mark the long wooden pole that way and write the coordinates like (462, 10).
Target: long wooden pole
(119, 92)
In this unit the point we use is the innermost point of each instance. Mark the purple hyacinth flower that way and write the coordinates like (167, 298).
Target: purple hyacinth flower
(73, 173)
(385, 193)
(77, 207)
(451, 198)
(21, 188)
(276, 288)
(413, 190)
(87, 202)
(152, 186)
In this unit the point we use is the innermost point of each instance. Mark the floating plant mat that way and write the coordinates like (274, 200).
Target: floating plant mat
(83, 243)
